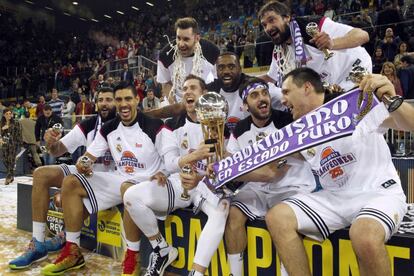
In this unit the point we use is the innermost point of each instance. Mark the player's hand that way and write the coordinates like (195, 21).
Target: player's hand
(51, 136)
(378, 83)
(160, 177)
(189, 180)
(203, 151)
(322, 41)
(171, 97)
(82, 169)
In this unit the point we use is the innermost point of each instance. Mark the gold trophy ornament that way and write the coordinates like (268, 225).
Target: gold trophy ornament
(312, 29)
(188, 170)
(86, 163)
(58, 128)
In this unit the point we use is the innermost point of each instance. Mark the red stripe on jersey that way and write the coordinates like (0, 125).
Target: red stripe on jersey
(83, 131)
(163, 126)
(321, 22)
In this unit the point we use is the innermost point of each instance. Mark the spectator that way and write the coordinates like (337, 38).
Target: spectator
(402, 50)
(68, 110)
(377, 60)
(2, 107)
(389, 45)
(40, 105)
(56, 103)
(406, 75)
(83, 108)
(18, 111)
(388, 17)
(126, 75)
(29, 139)
(10, 141)
(44, 122)
(150, 101)
(249, 50)
(28, 107)
(388, 70)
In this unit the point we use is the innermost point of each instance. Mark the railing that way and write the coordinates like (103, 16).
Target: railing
(136, 64)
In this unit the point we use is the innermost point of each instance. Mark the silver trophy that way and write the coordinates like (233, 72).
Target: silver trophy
(58, 128)
(86, 163)
(188, 170)
(312, 29)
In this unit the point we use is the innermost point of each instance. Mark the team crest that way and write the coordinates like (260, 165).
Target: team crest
(260, 136)
(118, 147)
(311, 152)
(184, 144)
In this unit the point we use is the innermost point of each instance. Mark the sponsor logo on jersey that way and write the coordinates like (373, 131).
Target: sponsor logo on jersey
(130, 163)
(332, 162)
(232, 122)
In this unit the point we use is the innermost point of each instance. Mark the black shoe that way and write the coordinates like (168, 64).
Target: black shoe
(158, 263)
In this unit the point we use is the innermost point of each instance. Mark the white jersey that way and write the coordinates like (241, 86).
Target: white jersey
(83, 134)
(299, 175)
(166, 64)
(334, 70)
(136, 148)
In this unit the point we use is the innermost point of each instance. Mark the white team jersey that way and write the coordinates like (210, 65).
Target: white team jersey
(136, 149)
(166, 64)
(363, 164)
(299, 175)
(236, 108)
(83, 134)
(336, 69)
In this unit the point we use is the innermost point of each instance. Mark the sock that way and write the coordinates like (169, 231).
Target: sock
(160, 242)
(236, 263)
(134, 246)
(73, 237)
(39, 229)
(196, 273)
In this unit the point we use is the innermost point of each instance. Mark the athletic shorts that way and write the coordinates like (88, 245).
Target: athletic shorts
(321, 213)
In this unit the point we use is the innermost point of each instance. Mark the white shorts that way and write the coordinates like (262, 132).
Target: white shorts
(103, 189)
(321, 213)
(255, 203)
(68, 169)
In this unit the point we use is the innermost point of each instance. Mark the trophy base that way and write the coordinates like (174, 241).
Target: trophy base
(328, 56)
(185, 197)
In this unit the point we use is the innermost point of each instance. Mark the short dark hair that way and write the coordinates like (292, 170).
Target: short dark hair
(47, 107)
(248, 81)
(200, 80)
(187, 22)
(106, 88)
(228, 53)
(276, 6)
(125, 85)
(305, 74)
(408, 59)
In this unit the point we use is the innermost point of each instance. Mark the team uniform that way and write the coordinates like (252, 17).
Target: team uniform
(83, 134)
(166, 64)
(256, 198)
(334, 70)
(149, 199)
(358, 180)
(136, 153)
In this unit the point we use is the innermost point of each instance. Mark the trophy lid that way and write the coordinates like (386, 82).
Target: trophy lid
(357, 74)
(211, 106)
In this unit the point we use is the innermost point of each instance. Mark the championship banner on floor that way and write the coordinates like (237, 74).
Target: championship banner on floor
(340, 117)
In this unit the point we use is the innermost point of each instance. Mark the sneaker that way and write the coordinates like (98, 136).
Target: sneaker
(159, 263)
(130, 265)
(56, 243)
(69, 259)
(36, 252)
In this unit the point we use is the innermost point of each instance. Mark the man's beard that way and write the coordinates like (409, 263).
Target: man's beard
(111, 115)
(283, 36)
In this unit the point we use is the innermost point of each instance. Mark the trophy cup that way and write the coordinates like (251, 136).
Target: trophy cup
(188, 170)
(391, 103)
(58, 128)
(312, 29)
(86, 163)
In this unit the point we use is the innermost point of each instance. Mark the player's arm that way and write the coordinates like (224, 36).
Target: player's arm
(354, 38)
(168, 111)
(266, 78)
(203, 151)
(402, 117)
(166, 88)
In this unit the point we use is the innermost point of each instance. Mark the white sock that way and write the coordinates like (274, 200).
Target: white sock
(160, 242)
(39, 229)
(196, 273)
(236, 264)
(134, 246)
(73, 237)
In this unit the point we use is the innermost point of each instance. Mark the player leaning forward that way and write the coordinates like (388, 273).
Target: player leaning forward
(134, 141)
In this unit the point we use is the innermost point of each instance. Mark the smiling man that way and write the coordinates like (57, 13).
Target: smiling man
(190, 55)
(134, 141)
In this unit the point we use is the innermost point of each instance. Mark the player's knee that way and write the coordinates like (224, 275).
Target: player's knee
(124, 187)
(41, 177)
(281, 218)
(71, 185)
(367, 236)
(133, 197)
(236, 219)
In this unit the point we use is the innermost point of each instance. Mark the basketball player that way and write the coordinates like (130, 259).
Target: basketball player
(52, 176)
(363, 192)
(146, 201)
(295, 48)
(133, 140)
(191, 55)
(255, 199)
